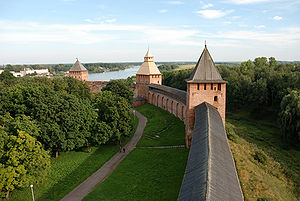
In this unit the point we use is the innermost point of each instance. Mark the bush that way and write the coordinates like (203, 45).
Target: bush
(231, 135)
(261, 157)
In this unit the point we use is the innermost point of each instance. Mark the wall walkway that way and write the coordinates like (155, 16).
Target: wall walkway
(210, 173)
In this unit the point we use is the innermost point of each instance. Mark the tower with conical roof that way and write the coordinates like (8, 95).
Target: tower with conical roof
(78, 71)
(147, 74)
(204, 85)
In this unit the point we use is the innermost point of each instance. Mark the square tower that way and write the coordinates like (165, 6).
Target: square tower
(78, 71)
(147, 74)
(204, 85)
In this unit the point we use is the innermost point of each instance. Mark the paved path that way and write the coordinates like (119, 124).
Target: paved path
(164, 147)
(89, 184)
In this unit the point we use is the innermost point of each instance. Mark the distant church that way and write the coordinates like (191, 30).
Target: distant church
(204, 85)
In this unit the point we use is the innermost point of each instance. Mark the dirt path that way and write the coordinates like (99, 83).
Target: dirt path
(89, 184)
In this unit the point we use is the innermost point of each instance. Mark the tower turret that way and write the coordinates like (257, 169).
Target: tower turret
(78, 71)
(204, 85)
(147, 74)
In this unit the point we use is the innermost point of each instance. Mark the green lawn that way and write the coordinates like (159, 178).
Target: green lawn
(145, 174)
(68, 171)
(162, 127)
(279, 177)
(149, 173)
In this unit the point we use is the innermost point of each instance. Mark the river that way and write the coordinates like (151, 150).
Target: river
(113, 75)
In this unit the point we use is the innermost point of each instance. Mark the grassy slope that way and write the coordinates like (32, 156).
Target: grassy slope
(68, 171)
(149, 174)
(162, 128)
(277, 179)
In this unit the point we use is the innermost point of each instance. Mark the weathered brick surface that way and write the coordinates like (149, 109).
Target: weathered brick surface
(97, 86)
(196, 96)
(80, 75)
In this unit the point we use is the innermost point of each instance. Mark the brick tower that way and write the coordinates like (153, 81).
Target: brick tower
(147, 74)
(204, 85)
(78, 71)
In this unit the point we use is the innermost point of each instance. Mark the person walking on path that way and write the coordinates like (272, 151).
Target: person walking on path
(120, 149)
(123, 149)
(83, 189)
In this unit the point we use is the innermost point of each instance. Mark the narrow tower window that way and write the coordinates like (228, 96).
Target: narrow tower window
(205, 86)
(216, 98)
(198, 86)
(212, 86)
(219, 86)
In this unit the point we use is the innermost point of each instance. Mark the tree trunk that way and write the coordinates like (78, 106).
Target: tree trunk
(56, 153)
(89, 149)
(7, 195)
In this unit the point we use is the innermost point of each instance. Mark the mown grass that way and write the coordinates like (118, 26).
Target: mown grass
(162, 128)
(68, 171)
(276, 176)
(149, 173)
(145, 174)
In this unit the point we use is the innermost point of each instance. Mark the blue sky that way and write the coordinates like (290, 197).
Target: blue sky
(58, 31)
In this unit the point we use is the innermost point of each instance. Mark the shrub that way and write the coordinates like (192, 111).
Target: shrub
(261, 157)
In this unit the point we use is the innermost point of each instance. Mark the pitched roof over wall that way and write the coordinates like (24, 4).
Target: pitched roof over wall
(78, 66)
(210, 173)
(169, 91)
(205, 70)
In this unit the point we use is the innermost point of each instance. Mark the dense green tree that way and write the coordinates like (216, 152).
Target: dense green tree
(290, 116)
(168, 67)
(64, 120)
(115, 111)
(7, 79)
(260, 61)
(121, 87)
(22, 161)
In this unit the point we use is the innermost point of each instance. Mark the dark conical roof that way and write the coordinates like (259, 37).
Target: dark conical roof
(78, 66)
(205, 70)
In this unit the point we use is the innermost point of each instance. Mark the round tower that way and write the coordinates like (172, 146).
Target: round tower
(147, 74)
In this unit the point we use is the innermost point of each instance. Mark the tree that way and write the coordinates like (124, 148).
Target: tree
(63, 119)
(260, 61)
(290, 116)
(272, 62)
(22, 161)
(7, 78)
(115, 111)
(120, 87)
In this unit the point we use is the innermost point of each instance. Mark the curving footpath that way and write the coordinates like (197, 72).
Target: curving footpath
(97, 177)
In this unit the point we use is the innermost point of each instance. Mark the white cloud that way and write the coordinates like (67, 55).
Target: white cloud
(227, 22)
(31, 32)
(277, 18)
(246, 1)
(111, 20)
(88, 20)
(175, 2)
(163, 11)
(207, 6)
(214, 14)
(259, 26)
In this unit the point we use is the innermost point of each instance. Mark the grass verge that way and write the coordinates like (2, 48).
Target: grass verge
(162, 128)
(267, 168)
(145, 174)
(69, 170)
(149, 173)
